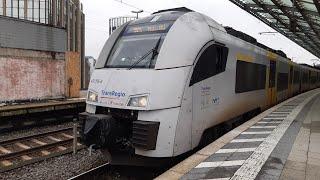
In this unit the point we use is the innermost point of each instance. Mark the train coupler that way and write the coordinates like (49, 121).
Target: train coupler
(97, 129)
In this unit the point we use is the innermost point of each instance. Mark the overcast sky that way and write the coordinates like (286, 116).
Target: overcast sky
(224, 12)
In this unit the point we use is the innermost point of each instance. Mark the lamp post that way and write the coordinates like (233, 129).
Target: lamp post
(137, 12)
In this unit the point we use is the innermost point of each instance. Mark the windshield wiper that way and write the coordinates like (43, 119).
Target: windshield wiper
(154, 52)
(155, 49)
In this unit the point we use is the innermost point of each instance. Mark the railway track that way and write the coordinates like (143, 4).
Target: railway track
(18, 152)
(93, 173)
(109, 171)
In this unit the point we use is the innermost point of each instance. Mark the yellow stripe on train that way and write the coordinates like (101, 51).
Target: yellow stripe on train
(244, 57)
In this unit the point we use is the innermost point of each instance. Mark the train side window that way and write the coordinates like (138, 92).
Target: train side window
(282, 82)
(305, 78)
(211, 62)
(313, 78)
(221, 59)
(296, 77)
(250, 77)
(309, 76)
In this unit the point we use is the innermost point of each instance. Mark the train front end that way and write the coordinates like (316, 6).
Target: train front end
(136, 90)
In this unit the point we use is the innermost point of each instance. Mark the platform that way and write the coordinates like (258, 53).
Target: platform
(50, 105)
(31, 114)
(280, 143)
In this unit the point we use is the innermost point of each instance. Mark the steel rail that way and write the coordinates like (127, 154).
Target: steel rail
(38, 159)
(90, 173)
(11, 141)
(34, 149)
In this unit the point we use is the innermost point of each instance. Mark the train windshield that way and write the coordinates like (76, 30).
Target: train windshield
(138, 47)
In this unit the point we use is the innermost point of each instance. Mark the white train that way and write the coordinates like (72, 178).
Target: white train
(161, 81)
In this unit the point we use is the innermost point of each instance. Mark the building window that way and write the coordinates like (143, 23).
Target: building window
(212, 61)
(250, 77)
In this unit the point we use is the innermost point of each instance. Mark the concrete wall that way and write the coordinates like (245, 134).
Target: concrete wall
(16, 33)
(26, 74)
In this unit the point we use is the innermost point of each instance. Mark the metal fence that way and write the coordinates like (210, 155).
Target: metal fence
(31, 36)
(51, 12)
(116, 22)
(66, 15)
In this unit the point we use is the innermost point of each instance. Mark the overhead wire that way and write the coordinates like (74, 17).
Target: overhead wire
(132, 6)
(119, 1)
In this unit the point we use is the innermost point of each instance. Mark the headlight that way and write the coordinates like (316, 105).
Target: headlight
(93, 97)
(140, 101)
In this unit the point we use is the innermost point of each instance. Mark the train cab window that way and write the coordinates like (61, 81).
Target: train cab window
(212, 61)
(138, 46)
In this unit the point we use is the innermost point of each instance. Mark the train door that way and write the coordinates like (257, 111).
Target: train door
(206, 90)
(309, 80)
(272, 93)
(318, 78)
(290, 93)
(300, 81)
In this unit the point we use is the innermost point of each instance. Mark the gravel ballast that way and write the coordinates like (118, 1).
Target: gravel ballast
(70, 165)
(62, 167)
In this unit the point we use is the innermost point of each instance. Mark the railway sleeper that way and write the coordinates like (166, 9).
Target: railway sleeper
(6, 165)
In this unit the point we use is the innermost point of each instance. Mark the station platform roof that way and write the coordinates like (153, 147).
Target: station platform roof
(298, 20)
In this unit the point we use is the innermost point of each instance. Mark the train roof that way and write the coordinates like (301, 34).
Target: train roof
(167, 15)
(309, 66)
(238, 34)
(252, 40)
(231, 31)
(180, 9)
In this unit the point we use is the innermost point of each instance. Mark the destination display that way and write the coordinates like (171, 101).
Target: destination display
(148, 28)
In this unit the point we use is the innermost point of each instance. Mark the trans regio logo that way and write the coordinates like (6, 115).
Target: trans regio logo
(113, 93)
